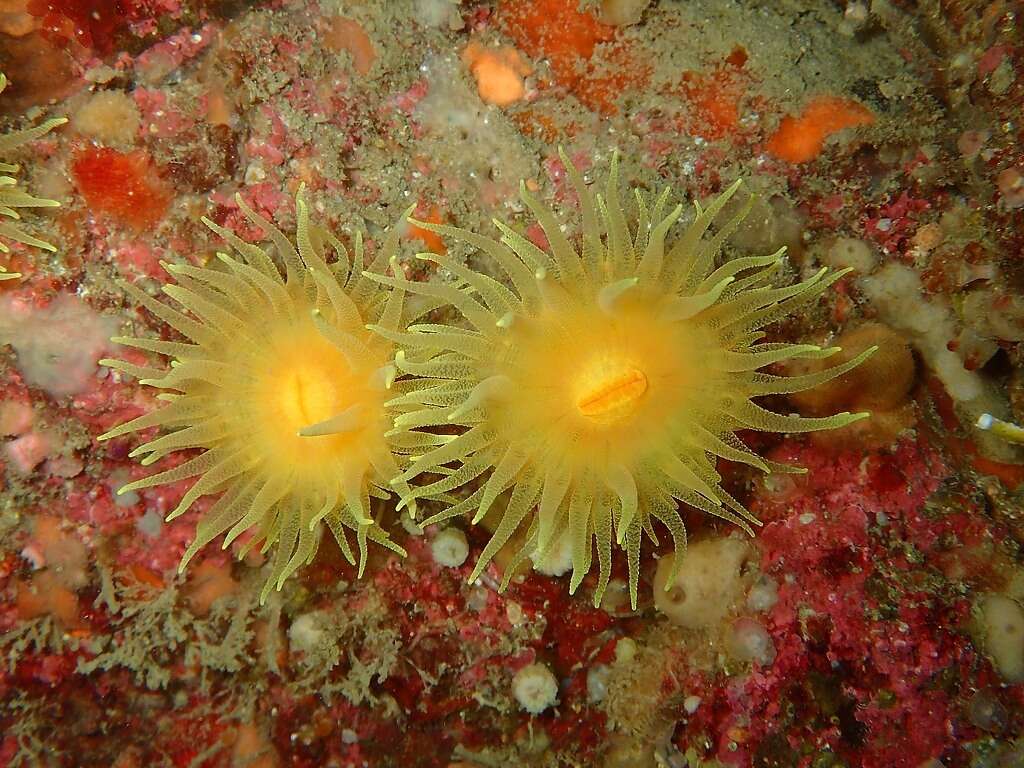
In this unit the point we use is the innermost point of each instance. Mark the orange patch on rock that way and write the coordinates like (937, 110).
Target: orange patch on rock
(253, 749)
(218, 107)
(531, 122)
(124, 186)
(208, 583)
(964, 449)
(567, 37)
(347, 35)
(882, 384)
(801, 138)
(499, 73)
(65, 556)
(45, 595)
(556, 29)
(144, 575)
(1011, 475)
(714, 101)
(431, 240)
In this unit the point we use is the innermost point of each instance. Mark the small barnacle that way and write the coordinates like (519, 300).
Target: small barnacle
(12, 196)
(601, 388)
(283, 390)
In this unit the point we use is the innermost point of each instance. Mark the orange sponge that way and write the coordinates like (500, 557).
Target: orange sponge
(799, 139)
(557, 30)
(499, 73)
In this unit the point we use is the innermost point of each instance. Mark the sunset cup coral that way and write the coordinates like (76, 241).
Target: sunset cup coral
(600, 390)
(12, 197)
(282, 389)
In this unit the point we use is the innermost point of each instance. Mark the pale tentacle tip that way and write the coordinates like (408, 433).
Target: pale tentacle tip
(480, 515)
(475, 574)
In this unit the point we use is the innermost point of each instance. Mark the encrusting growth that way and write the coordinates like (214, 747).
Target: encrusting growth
(283, 390)
(597, 393)
(12, 197)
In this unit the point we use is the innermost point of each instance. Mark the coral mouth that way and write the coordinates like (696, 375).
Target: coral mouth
(612, 395)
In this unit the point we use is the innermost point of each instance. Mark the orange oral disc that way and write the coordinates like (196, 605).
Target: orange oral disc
(614, 396)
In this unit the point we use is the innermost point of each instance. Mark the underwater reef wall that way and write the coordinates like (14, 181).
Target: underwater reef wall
(477, 446)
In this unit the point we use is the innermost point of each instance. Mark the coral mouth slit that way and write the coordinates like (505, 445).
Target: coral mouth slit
(598, 451)
(611, 396)
(306, 393)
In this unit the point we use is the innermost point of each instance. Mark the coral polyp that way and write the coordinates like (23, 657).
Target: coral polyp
(282, 389)
(598, 393)
(13, 197)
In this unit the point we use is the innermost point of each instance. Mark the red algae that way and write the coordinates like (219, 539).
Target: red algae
(93, 24)
(833, 546)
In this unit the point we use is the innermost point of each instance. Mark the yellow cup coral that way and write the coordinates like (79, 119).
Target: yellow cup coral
(601, 390)
(13, 197)
(283, 389)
